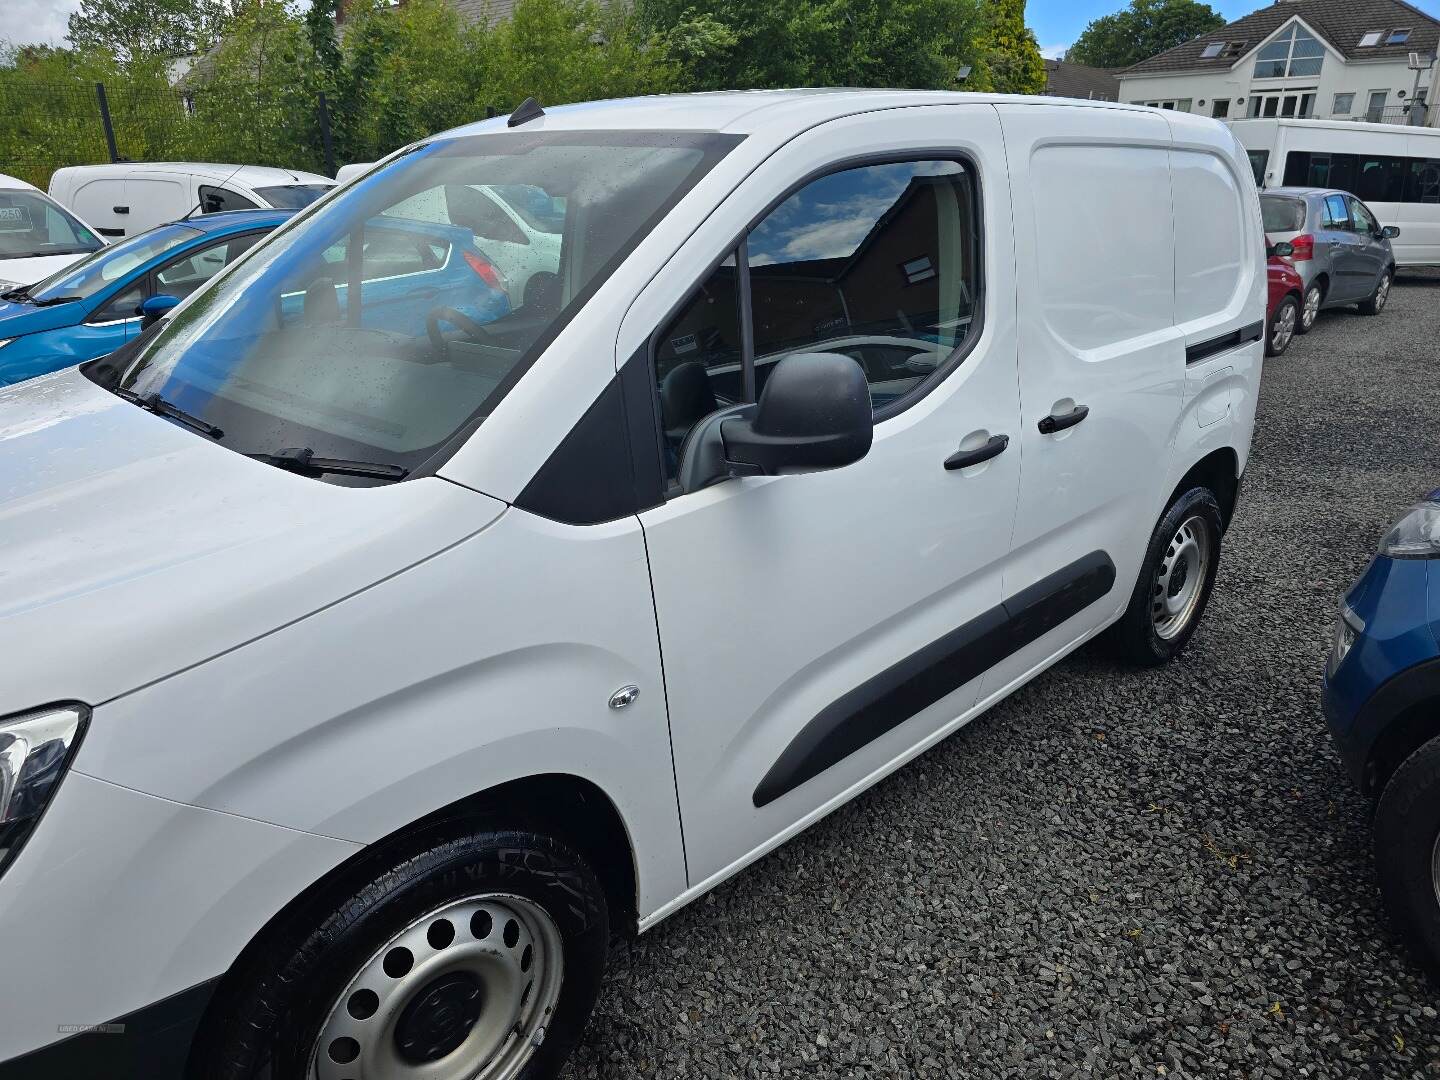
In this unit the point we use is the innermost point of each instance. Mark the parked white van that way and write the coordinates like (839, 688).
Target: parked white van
(1393, 170)
(128, 198)
(38, 236)
(372, 662)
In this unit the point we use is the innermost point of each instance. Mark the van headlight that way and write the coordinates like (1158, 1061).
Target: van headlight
(1416, 535)
(35, 750)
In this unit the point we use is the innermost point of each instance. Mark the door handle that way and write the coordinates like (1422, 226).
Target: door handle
(963, 459)
(1052, 423)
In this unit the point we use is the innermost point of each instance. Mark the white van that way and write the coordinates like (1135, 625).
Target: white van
(128, 198)
(38, 236)
(1393, 170)
(375, 659)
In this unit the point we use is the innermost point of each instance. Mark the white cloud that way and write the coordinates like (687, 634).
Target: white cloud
(35, 22)
(1053, 52)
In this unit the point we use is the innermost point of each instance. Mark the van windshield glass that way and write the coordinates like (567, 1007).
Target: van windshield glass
(292, 196)
(1280, 215)
(394, 317)
(108, 265)
(33, 226)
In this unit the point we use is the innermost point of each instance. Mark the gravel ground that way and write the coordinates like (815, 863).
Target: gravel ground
(1111, 873)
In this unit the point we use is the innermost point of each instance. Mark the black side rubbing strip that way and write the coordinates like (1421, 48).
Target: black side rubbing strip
(887, 700)
(1203, 350)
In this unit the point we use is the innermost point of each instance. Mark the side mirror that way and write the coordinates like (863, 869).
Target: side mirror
(1283, 248)
(153, 309)
(1389, 232)
(814, 414)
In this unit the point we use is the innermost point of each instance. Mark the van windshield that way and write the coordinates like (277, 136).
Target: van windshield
(84, 279)
(1281, 215)
(393, 318)
(33, 225)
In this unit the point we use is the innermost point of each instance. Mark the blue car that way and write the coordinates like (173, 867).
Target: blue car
(92, 307)
(1382, 703)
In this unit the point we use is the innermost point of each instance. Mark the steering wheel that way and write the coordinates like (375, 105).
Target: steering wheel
(454, 318)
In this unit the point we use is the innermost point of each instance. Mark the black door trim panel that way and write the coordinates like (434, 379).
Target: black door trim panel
(1203, 350)
(885, 701)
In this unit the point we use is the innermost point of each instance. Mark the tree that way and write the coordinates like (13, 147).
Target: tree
(743, 44)
(140, 30)
(1140, 31)
(1008, 59)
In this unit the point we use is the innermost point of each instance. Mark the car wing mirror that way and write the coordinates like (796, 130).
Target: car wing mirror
(153, 308)
(1390, 232)
(1282, 248)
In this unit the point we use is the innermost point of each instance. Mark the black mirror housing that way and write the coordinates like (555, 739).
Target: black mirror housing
(814, 414)
(1390, 232)
(1283, 248)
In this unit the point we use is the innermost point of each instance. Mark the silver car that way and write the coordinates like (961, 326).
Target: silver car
(1338, 247)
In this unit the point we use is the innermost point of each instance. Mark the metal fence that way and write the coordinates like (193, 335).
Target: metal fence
(44, 126)
(1417, 114)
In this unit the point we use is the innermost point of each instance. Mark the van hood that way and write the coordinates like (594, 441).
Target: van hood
(132, 548)
(28, 271)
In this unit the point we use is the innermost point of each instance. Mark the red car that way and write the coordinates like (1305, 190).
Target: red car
(1286, 288)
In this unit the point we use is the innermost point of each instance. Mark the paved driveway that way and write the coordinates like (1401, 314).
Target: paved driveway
(1111, 873)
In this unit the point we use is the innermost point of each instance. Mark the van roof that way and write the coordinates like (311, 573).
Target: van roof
(250, 175)
(746, 111)
(1398, 130)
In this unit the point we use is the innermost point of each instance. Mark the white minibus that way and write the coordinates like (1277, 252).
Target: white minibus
(1394, 170)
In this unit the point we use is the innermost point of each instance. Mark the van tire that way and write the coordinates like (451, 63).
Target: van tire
(266, 1019)
(1376, 301)
(1407, 831)
(1144, 638)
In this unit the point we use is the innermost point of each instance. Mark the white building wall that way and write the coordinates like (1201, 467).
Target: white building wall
(1336, 77)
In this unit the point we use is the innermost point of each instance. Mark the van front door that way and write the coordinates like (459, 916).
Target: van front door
(819, 629)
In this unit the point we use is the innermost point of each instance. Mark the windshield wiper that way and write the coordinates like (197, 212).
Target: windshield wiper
(18, 296)
(160, 407)
(50, 301)
(303, 460)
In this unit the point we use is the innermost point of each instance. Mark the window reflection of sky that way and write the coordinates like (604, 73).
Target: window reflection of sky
(827, 219)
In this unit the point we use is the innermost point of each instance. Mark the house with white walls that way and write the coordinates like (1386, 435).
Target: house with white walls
(1358, 59)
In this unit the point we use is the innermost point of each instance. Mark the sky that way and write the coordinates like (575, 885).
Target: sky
(1057, 23)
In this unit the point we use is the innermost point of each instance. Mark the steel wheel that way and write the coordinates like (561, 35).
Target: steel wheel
(1312, 307)
(1284, 328)
(1180, 579)
(464, 993)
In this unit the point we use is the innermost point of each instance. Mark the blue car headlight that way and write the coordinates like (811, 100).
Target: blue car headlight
(1416, 535)
(35, 750)
(1348, 626)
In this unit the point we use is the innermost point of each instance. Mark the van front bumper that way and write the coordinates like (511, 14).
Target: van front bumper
(119, 916)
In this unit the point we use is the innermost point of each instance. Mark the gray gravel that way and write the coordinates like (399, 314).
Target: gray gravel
(1111, 873)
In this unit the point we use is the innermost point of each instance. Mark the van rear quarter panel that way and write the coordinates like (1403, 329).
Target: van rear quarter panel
(1220, 287)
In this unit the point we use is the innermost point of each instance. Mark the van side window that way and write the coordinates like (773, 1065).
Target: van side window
(880, 263)
(215, 200)
(697, 358)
